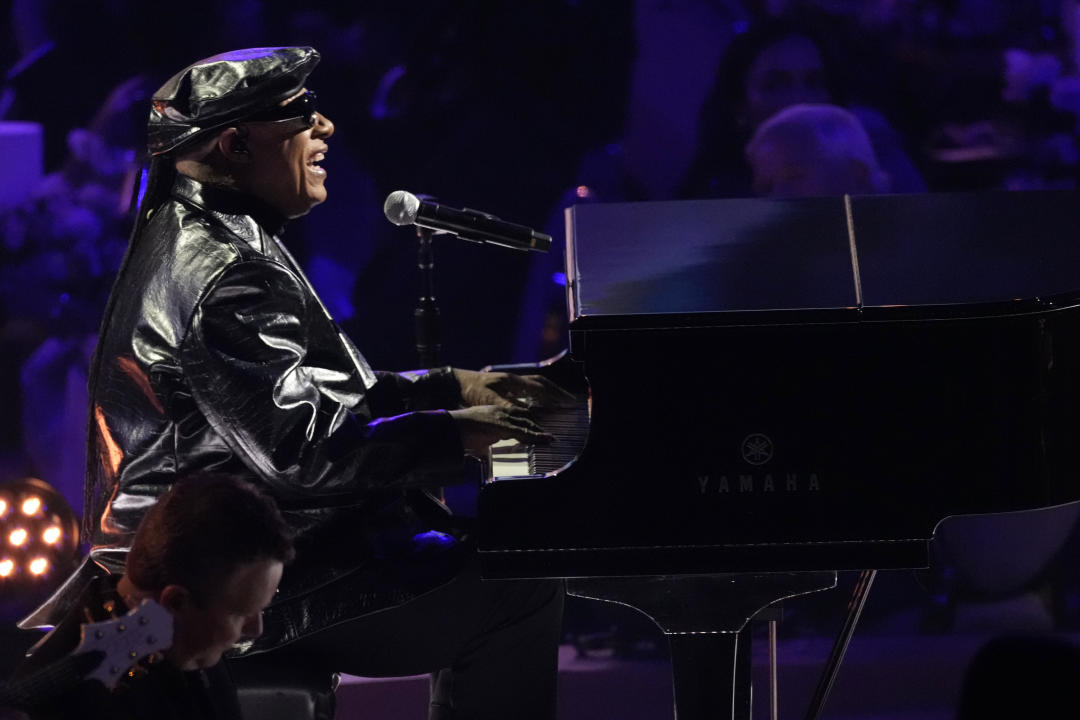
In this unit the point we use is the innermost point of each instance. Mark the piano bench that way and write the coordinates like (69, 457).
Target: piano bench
(278, 691)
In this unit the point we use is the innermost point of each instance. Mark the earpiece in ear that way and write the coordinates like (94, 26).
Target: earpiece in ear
(235, 141)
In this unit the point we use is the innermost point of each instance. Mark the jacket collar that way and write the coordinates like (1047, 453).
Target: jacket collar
(230, 204)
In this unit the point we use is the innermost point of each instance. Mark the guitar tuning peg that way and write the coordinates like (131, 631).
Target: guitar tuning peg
(137, 671)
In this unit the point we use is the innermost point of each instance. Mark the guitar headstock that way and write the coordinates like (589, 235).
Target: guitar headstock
(126, 640)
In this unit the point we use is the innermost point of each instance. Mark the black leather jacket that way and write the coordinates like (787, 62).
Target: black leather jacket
(217, 354)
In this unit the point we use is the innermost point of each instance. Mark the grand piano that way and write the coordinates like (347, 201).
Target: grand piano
(774, 391)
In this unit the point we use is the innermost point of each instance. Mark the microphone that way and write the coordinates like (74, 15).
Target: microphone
(404, 208)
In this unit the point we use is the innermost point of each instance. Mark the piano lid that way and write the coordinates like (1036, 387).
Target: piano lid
(704, 256)
(967, 247)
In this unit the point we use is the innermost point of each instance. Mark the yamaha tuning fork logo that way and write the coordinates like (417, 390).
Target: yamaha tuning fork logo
(757, 449)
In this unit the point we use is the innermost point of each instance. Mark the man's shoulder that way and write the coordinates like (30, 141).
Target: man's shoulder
(183, 229)
(194, 248)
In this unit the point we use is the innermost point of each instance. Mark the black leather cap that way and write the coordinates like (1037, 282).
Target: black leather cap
(223, 89)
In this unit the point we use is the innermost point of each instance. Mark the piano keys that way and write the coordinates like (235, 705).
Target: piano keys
(570, 426)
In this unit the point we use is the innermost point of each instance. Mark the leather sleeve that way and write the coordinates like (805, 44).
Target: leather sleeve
(288, 401)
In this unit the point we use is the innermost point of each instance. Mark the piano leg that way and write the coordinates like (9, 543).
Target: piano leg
(711, 675)
(836, 656)
(706, 619)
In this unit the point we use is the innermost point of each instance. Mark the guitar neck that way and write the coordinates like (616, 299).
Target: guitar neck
(49, 682)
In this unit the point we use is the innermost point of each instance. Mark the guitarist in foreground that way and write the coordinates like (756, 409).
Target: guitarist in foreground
(210, 553)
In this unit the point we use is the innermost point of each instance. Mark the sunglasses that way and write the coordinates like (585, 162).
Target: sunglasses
(302, 107)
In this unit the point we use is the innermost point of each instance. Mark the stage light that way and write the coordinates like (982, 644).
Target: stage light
(3, 507)
(31, 505)
(39, 536)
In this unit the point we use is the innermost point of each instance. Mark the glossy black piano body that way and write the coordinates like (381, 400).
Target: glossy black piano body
(804, 385)
(780, 390)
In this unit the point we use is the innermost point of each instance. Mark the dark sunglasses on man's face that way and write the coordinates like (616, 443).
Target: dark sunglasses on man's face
(302, 108)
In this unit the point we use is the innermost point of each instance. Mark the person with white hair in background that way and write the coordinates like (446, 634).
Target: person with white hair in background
(814, 149)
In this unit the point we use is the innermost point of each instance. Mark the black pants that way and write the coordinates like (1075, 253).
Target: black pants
(491, 646)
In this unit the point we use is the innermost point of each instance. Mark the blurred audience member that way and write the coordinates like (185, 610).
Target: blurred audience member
(1020, 677)
(776, 64)
(813, 149)
(645, 138)
(1034, 133)
(51, 82)
(59, 253)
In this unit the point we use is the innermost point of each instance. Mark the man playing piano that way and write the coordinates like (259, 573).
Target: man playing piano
(215, 352)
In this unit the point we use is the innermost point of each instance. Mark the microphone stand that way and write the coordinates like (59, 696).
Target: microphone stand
(426, 315)
(426, 325)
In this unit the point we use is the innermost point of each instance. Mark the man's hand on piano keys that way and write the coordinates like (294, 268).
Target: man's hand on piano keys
(484, 425)
(510, 390)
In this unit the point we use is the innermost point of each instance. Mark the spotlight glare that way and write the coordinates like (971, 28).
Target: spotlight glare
(39, 536)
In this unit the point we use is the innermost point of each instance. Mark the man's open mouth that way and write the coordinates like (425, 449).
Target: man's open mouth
(313, 163)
